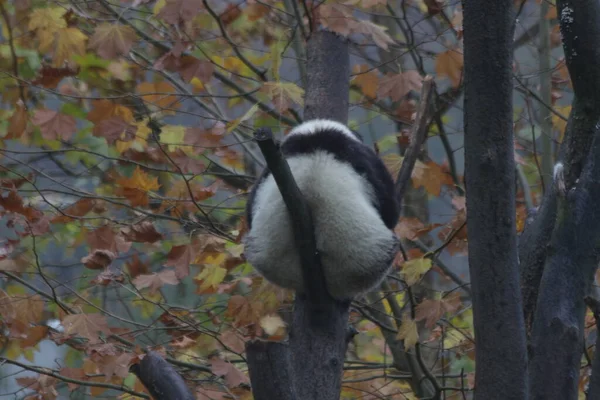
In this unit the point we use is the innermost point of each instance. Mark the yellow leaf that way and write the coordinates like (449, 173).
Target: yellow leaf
(69, 42)
(141, 138)
(46, 22)
(276, 50)
(136, 188)
(236, 122)
(408, 332)
(172, 136)
(413, 270)
(210, 277)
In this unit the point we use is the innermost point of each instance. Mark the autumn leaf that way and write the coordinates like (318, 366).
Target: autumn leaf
(396, 86)
(54, 125)
(450, 64)
(105, 109)
(366, 79)
(17, 123)
(136, 188)
(159, 94)
(431, 310)
(156, 281)
(98, 259)
(115, 128)
(86, 325)
(233, 376)
(70, 42)
(243, 311)
(180, 257)
(136, 267)
(210, 278)
(283, 94)
(78, 209)
(144, 232)
(192, 67)
(408, 332)
(177, 11)
(376, 32)
(49, 77)
(112, 40)
(45, 22)
(432, 177)
(413, 270)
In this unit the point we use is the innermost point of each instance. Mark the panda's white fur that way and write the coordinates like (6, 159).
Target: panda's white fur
(355, 245)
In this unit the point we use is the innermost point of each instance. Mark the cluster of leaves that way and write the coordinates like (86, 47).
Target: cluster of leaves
(125, 147)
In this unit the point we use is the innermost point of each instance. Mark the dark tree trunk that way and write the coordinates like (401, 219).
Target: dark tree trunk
(501, 359)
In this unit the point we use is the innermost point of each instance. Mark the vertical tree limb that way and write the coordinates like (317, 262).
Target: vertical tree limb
(501, 361)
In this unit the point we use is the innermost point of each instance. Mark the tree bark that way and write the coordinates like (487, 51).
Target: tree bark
(501, 358)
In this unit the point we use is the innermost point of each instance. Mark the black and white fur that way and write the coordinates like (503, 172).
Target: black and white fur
(351, 197)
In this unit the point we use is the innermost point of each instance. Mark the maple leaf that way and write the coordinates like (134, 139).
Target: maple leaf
(282, 94)
(54, 125)
(45, 22)
(117, 365)
(413, 270)
(78, 209)
(431, 310)
(69, 42)
(180, 257)
(156, 281)
(158, 94)
(233, 340)
(408, 332)
(243, 311)
(115, 128)
(17, 123)
(210, 278)
(111, 40)
(177, 11)
(44, 385)
(136, 188)
(14, 203)
(366, 79)
(396, 86)
(450, 64)
(192, 67)
(136, 267)
(86, 325)
(105, 109)
(144, 232)
(233, 376)
(336, 17)
(432, 178)
(35, 334)
(103, 238)
(377, 32)
(188, 164)
(49, 77)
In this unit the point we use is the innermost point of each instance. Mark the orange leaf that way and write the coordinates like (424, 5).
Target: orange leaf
(136, 188)
(158, 94)
(450, 64)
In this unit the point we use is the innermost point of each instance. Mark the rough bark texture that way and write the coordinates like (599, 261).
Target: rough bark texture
(572, 258)
(310, 367)
(161, 379)
(501, 359)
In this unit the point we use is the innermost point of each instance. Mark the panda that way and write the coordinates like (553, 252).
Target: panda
(354, 209)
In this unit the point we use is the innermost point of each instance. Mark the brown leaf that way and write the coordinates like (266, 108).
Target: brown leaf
(35, 334)
(243, 311)
(192, 67)
(49, 77)
(396, 86)
(158, 94)
(434, 6)
(181, 257)
(14, 203)
(111, 40)
(432, 178)
(103, 238)
(78, 209)
(54, 125)
(136, 267)
(450, 64)
(188, 164)
(105, 109)
(156, 281)
(86, 325)
(432, 310)
(136, 188)
(233, 376)
(179, 11)
(17, 123)
(98, 259)
(366, 79)
(115, 365)
(144, 232)
(115, 128)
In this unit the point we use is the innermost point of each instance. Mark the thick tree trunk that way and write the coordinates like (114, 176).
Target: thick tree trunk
(501, 360)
